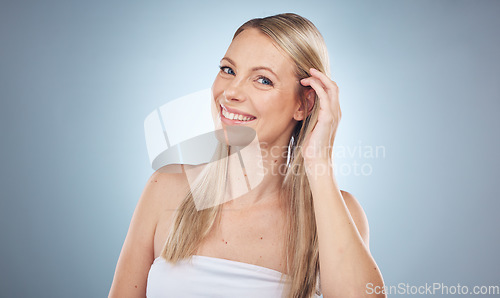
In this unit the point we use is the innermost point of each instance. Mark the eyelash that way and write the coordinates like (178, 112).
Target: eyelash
(222, 68)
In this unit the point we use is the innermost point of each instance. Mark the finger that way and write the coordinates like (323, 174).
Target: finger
(319, 88)
(330, 86)
(315, 84)
(325, 80)
(332, 91)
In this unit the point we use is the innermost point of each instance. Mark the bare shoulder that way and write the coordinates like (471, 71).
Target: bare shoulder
(165, 190)
(162, 191)
(358, 215)
(137, 254)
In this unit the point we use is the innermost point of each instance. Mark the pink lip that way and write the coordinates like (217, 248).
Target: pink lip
(235, 111)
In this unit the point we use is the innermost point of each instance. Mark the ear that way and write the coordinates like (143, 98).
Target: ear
(309, 95)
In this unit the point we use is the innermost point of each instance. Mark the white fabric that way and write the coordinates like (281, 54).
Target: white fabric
(204, 276)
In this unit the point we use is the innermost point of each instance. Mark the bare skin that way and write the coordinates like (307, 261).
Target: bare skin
(251, 235)
(251, 228)
(152, 219)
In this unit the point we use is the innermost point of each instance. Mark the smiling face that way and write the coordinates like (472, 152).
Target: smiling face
(257, 87)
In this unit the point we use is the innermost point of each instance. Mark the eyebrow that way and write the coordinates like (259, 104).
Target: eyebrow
(253, 69)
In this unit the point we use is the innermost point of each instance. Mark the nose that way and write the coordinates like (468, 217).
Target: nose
(235, 91)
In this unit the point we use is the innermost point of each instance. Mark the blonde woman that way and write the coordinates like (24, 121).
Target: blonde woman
(295, 233)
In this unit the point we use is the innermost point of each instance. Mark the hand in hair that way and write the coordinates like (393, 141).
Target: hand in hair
(319, 144)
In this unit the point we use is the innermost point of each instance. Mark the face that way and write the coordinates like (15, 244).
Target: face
(256, 87)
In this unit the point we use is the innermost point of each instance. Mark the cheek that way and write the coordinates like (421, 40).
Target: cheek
(280, 106)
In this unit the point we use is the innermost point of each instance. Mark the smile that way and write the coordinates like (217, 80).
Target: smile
(235, 117)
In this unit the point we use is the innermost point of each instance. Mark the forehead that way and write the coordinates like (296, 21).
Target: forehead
(253, 48)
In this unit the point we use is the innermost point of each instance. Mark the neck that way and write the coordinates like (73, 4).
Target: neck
(255, 175)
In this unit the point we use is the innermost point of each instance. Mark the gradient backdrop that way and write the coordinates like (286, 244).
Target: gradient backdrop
(419, 79)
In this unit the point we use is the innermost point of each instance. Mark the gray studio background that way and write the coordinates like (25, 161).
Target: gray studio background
(77, 79)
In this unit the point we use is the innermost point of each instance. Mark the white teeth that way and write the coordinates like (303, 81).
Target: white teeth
(233, 116)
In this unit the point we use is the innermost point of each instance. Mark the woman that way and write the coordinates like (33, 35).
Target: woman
(295, 233)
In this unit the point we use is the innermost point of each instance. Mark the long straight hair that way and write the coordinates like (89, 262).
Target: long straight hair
(302, 41)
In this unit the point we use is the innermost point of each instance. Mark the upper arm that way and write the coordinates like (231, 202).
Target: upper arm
(137, 253)
(358, 216)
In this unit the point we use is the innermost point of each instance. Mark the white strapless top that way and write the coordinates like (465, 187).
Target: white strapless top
(203, 276)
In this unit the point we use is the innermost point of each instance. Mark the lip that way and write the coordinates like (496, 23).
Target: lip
(234, 111)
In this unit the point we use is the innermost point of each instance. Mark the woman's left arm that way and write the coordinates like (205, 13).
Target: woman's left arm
(347, 268)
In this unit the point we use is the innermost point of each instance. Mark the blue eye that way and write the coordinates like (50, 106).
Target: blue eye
(227, 70)
(265, 81)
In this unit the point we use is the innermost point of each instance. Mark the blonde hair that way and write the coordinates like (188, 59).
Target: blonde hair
(302, 41)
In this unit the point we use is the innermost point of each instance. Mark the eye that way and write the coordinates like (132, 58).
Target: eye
(265, 81)
(227, 70)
